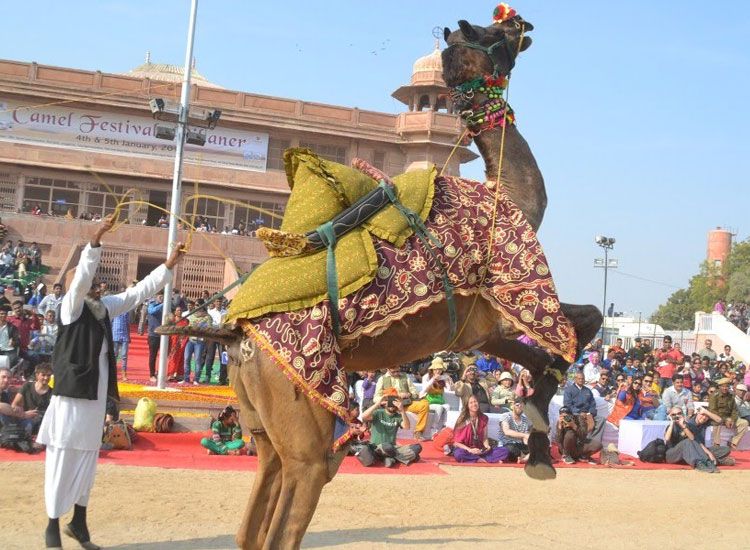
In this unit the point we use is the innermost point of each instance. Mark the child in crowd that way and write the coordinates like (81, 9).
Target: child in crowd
(360, 435)
(226, 434)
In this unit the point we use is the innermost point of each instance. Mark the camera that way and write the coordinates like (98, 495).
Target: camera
(567, 418)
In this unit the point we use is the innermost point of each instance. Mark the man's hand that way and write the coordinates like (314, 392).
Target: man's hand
(399, 405)
(404, 395)
(106, 225)
(178, 251)
(383, 401)
(711, 456)
(31, 414)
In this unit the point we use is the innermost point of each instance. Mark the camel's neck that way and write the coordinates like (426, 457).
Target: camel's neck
(521, 178)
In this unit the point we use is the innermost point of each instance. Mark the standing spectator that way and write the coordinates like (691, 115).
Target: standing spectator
(85, 374)
(514, 432)
(724, 406)
(407, 393)
(177, 344)
(7, 263)
(618, 350)
(637, 352)
(574, 436)
(470, 384)
(154, 310)
(41, 347)
(667, 359)
(720, 307)
(34, 398)
(387, 415)
(368, 390)
(194, 347)
(470, 439)
(217, 313)
(25, 323)
(707, 351)
(51, 301)
(121, 340)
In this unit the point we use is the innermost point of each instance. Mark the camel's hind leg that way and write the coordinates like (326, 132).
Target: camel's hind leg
(301, 433)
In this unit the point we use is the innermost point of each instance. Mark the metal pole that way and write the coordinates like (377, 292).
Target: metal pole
(604, 305)
(174, 207)
(639, 324)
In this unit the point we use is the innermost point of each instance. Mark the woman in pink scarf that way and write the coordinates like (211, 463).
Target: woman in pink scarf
(470, 443)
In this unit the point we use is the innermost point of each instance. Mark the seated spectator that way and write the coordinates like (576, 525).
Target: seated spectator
(226, 434)
(723, 405)
(7, 263)
(675, 396)
(525, 386)
(629, 369)
(741, 399)
(514, 432)
(626, 404)
(9, 339)
(682, 446)
(470, 384)
(649, 397)
(698, 425)
(486, 363)
(7, 412)
(698, 393)
(386, 417)
(592, 368)
(408, 397)
(574, 436)
(470, 439)
(579, 398)
(358, 429)
(34, 398)
(433, 390)
(502, 395)
(368, 389)
(605, 388)
(42, 345)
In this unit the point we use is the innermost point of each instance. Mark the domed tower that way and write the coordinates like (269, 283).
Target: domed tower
(169, 73)
(430, 129)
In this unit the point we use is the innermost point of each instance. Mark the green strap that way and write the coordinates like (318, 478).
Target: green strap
(332, 278)
(428, 239)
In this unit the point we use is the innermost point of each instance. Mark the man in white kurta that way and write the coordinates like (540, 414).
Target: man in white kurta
(72, 428)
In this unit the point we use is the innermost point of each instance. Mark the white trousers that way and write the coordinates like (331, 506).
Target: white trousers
(68, 479)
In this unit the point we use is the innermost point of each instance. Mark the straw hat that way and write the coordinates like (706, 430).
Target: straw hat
(437, 363)
(723, 381)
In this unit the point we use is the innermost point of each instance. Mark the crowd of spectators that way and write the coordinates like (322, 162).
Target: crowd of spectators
(707, 388)
(738, 313)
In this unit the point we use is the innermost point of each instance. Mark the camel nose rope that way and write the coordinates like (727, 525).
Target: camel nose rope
(490, 243)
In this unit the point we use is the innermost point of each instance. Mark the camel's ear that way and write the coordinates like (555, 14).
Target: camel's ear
(469, 31)
(446, 33)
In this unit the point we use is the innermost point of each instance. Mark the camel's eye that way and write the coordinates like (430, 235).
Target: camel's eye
(517, 24)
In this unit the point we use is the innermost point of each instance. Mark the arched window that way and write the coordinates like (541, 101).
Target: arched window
(424, 103)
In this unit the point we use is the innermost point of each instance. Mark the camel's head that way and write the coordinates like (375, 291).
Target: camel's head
(475, 51)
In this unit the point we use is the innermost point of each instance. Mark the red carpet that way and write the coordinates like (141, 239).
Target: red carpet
(183, 450)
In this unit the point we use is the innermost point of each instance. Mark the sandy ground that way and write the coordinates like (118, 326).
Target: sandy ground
(152, 508)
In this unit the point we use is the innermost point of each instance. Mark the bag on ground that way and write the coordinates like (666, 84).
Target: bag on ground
(655, 451)
(143, 419)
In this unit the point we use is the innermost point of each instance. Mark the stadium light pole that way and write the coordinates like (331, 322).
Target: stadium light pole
(607, 243)
(174, 207)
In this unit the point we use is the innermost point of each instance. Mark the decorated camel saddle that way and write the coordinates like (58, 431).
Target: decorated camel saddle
(433, 237)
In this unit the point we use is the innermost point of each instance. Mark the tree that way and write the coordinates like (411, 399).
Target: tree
(729, 282)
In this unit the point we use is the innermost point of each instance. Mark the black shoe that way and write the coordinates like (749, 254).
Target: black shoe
(52, 535)
(82, 538)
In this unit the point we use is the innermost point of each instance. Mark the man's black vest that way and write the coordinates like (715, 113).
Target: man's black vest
(75, 360)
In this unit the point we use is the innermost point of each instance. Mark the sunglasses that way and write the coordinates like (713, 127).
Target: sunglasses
(647, 380)
(620, 380)
(637, 383)
(676, 415)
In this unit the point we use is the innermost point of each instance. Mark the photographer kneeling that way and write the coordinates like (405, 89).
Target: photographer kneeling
(573, 436)
(387, 416)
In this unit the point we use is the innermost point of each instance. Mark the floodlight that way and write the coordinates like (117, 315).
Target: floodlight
(195, 138)
(165, 132)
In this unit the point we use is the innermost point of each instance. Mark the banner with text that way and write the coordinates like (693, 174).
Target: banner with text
(86, 129)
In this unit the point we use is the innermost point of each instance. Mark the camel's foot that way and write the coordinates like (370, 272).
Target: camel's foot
(537, 408)
(539, 465)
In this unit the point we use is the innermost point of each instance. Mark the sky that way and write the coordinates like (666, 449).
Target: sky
(637, 112)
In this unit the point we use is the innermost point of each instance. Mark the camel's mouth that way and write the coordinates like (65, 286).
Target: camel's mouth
(525, 43)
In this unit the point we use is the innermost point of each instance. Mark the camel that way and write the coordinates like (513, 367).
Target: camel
(294, 435)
